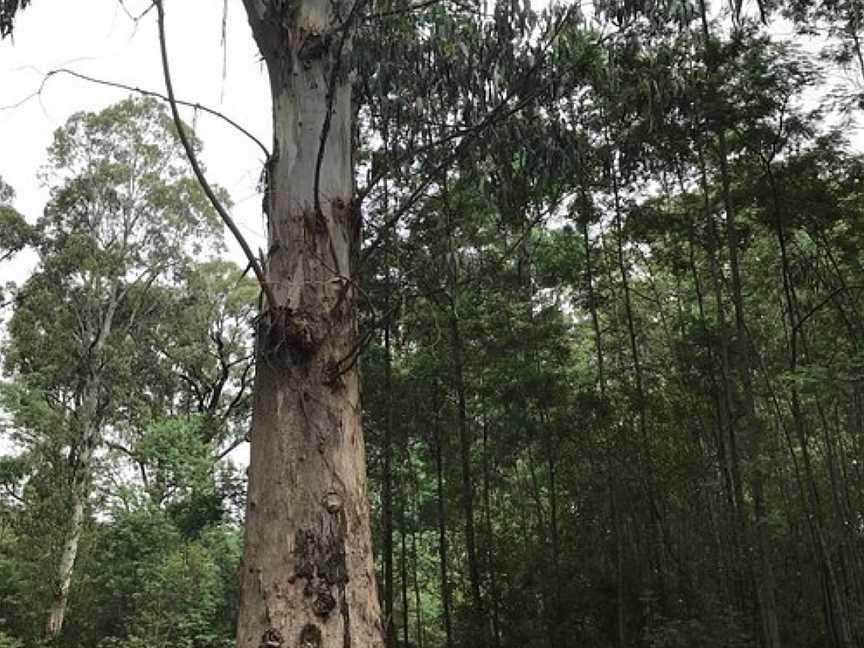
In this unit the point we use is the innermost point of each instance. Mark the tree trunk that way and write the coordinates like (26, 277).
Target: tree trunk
(442, 531)
(60, 598)
(765, 582)
(620, 602)
(559, 637)
(727, 440)
(80, 463)
(387, 482)
(307, 577)
(415, 529)
(467, 482)
(837, 620)
(495, 605)
(657, 534)
(403, 569)
(465, 437)
(87, 419)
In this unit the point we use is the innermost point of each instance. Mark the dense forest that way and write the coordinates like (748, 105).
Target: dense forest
(609, 332)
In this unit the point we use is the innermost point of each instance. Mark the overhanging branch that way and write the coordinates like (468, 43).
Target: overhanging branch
(196, 167)
(150, 93)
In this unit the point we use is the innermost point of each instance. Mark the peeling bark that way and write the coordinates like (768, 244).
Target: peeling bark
(307, 575)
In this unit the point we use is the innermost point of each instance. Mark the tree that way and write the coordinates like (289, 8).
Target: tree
(15, 232)
(158, 553)
(307, 571)
(123, 217)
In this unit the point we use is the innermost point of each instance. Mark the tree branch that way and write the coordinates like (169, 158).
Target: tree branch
(233, 446)
(156, 95)
(196, 167)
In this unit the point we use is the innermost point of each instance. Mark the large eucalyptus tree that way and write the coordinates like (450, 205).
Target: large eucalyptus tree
(307, 574)
(123, 217)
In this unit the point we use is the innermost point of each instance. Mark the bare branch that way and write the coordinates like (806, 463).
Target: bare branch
(135, 19)
(144, 93)
(233, 446)
(241, 392)
(196, 167)
(416, 6)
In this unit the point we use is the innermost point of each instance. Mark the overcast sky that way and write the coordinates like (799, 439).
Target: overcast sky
(103, 42)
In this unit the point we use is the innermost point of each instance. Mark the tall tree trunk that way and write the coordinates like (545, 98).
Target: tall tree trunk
(307, 577)
(415, 492)
(63, 582)
(765, 581)
(559, 637)
(465, 436)
(87, 438)
(837, 619)
(727, 438)
(403, 568)
(620, 599)
(467, 479)
(387, 481)
(657, 537)
(80, 464)
(443, 563)
(490, 543)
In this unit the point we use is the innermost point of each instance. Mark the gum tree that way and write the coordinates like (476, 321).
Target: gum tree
(123, 218)
(307, 566)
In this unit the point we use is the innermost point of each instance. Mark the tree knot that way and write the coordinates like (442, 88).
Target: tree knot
(271, 638)
(333, 502)
(289, 331)
(314, 46)
(310, 636)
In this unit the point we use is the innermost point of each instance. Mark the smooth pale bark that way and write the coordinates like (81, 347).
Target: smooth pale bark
(80, 460)
(87, 427)
(57, 610)
(307, 577)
